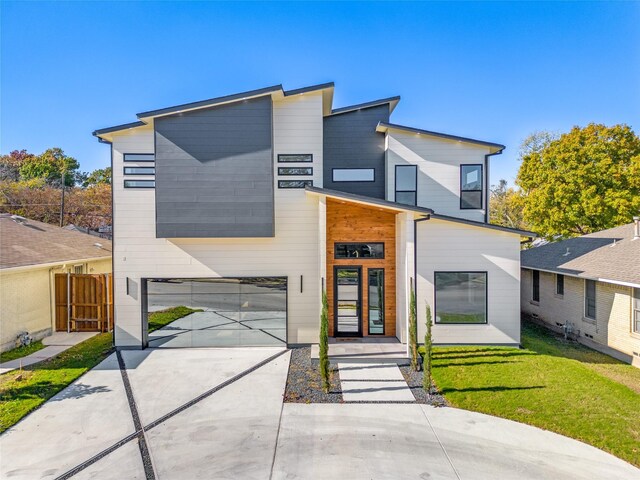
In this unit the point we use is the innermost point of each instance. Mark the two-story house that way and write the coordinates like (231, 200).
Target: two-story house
(248, 206)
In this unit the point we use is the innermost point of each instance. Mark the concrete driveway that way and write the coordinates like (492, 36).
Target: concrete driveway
(218, 413)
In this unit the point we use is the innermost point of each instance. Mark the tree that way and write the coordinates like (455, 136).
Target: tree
(413, 330)
(584, 181)
(101, 176)
(50, 166)
(10, 164)
(324, 343)
(428, 353)
(505, 206)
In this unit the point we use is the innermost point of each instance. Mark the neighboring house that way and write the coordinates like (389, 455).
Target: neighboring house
(589, 286)
(31, 253)
(249, 205)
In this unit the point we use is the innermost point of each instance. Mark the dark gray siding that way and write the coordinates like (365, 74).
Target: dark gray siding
(351, 141)
(214, 172)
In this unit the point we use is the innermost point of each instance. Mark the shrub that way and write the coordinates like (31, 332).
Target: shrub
(324, 343)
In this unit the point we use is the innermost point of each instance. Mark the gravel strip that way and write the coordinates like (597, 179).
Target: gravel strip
(414, 380)
(303, 381)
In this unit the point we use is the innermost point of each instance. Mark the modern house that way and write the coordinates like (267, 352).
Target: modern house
(589, 287)
(248, 206)
(31, 254)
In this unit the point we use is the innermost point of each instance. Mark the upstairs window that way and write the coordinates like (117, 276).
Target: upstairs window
(353, 175)
(471, 190)
(295, 158)
(139, 157)
(406, 184)
(139, 170)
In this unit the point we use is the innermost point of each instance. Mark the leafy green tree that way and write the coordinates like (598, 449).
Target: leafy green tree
(413, 330)
(584, 181)
(505, 206)
(101, 176)
(51, 165)
(428, 353)
(324, 343)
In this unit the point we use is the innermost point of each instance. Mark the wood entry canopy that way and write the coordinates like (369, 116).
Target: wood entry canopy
(349, 222)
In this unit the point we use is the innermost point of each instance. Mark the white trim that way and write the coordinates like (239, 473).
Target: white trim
(597, 279)
(34, 266)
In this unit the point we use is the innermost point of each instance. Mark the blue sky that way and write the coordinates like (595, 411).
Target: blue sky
(492, 71)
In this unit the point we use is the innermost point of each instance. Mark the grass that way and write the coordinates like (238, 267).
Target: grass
(553, 384)
(23, 391)
(20, 352)
(163, 318)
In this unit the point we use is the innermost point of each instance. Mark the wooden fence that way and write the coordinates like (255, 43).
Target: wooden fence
(84, 303)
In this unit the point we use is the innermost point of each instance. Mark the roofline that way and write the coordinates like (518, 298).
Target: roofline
(384, 126)
(393, 101)
(210, 102)
(447, 218)
(584, 277)
(117, 128)
(368, 200)
(312, 88)
(50, 264)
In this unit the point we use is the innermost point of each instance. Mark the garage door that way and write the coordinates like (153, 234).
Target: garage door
(216, 312)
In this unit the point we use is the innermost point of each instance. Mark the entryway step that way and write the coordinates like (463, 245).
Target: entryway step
(373, 382)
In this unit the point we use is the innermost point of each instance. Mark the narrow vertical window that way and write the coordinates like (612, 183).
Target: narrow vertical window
(406, 184)
(535, 294)
(376, 301)
(636, 310)
(559, 284)
(590, 299)
(471, 187)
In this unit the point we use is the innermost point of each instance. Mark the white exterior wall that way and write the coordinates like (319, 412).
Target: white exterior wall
(297, 128)
(449, 246)
(404, 272)
(612, 327)
(438, 162)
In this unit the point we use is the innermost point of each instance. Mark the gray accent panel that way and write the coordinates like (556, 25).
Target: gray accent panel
(214, 172)
(351, 141)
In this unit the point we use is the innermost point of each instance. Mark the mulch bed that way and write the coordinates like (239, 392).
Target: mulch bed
(414, 380)
(304, 384)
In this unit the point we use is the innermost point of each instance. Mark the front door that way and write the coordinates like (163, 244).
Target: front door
(348, 301)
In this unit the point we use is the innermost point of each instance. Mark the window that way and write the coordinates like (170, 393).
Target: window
(294, 183)
(353, 175)
(461, 297)
(590, 299)
(406, 184)
(288, 158)
(559, 284)
(78, 268)
(535, 294)
(376, 301)
(139, 170)
(295, 170)
(139, 157)
(359, 250)
(139, 184)
(470, 187)
(636, 310)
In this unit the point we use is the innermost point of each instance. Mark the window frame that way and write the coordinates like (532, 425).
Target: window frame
(635, 311)
(124, 157)
(285, 182)
(486, 297)
(535, 286)
(335, 251)
(481, 190)
(281, 155)
(139, 186)
(333, 179)
(369, 270)
(395, 184)
(595, 299)
(124, 171)
(559, 284)
(280, 170)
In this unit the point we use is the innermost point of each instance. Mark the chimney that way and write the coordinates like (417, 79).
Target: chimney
(636, 228)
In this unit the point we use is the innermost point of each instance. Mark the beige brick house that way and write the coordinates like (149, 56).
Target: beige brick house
(588, 286)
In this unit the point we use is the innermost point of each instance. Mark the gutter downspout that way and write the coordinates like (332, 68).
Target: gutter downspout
(487, 182)
(415, 273)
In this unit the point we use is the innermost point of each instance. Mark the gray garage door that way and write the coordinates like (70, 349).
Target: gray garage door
(228, 312)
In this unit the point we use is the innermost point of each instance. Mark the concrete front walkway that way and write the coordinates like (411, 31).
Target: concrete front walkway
(54, 344)
(218, 414)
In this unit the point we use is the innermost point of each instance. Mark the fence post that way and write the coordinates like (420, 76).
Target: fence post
(68, 301)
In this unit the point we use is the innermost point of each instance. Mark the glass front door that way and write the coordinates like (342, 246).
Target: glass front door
(348, 311)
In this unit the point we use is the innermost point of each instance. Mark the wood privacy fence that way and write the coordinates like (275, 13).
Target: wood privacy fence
(84, 303)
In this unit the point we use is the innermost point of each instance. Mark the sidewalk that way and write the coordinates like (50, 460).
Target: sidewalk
(54, 345)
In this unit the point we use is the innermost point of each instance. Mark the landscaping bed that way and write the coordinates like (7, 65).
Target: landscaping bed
(304, 384)
(414, 380)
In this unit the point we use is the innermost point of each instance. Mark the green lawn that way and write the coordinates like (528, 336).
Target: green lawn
(21, 351)
(165, 317)
(23, 391)
(553, 384)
